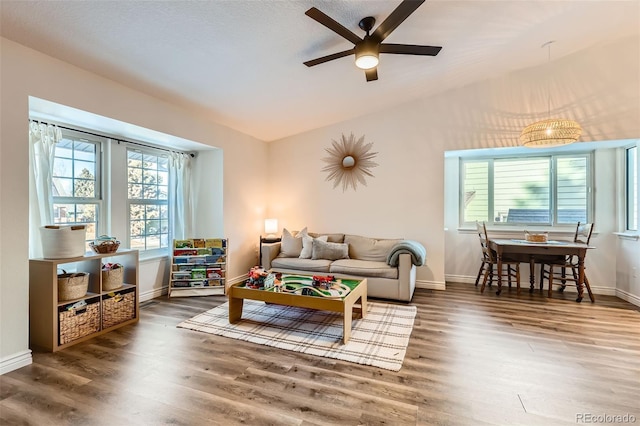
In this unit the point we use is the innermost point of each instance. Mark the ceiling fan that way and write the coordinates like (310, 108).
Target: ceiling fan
(367, 49)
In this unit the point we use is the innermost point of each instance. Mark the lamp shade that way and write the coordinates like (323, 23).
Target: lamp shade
(551, 132)
(270, 226)
(366, 62)
(367, 54)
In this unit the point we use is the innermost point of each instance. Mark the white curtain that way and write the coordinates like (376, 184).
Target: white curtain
(180, 201)
(42, 141)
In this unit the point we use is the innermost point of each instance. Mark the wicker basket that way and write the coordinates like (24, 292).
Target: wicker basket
(535, 238)
(118, 308)
(74, 324)
(112, 278)
(72, 286)
(105, 246)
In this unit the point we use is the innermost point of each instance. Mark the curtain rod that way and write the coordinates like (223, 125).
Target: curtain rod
(190, 154)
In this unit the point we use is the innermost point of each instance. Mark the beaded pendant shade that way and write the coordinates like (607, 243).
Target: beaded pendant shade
(552, 131)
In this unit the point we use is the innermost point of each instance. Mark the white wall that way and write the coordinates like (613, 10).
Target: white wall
(598, 87)
(628, 251)
(404, 199)
(25, 72)
(628, 270)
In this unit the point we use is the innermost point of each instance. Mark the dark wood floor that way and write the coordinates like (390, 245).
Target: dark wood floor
(473, 359)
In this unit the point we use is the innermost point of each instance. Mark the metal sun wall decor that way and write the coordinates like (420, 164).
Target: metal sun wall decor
(349, 162)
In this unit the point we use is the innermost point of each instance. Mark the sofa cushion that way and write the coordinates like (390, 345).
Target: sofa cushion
(319, 265)
(374, 249)
(332, 238)
(363, 268)
(291, 245)
(307, 245)
(330, 251)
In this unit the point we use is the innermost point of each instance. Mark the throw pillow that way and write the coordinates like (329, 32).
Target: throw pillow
(291, 246)
(329, 251)
(365, 248)
(307, 245)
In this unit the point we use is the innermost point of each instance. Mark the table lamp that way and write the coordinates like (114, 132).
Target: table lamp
(270, 228)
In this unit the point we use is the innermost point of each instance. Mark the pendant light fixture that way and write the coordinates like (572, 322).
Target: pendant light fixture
(552, 131)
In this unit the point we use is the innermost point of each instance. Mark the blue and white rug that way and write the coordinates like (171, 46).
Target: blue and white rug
(378, 340)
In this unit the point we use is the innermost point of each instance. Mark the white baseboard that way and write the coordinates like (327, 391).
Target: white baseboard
(236, 280)
(431, 285)
(157, 292)
(605, 291)
(15, 361)
(152, 294)
(464, 279)
(631, 298)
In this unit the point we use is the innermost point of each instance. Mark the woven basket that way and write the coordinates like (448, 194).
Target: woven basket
(112, 279)
(105, 246)
(535, 238)
(118, 308)
(76, 324)
(72, 286)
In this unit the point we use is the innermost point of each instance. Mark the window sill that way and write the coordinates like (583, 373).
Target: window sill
(627, 236)
(519, 230)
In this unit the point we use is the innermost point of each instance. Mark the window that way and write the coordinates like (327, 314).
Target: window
(76, 183)
(632, 188)
(148, 195)
(538, 190)
(115, 187)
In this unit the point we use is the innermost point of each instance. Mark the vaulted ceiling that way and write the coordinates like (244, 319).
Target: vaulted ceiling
(241, 62)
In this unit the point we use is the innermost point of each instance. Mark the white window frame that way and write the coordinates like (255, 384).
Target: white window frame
(98, 200)
(631, 191)
(163, 250)
(589, 155)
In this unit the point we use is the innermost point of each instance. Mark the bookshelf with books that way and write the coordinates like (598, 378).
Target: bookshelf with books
(198, 267)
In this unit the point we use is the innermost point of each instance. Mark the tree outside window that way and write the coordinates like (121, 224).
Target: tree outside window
(148, 194)
(76, 183)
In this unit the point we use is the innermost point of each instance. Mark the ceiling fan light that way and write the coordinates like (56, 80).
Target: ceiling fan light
(366, 61)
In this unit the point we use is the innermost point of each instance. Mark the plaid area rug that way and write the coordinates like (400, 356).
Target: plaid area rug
(379, 340)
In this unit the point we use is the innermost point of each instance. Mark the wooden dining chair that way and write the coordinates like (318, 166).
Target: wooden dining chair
(490, 262)
(485, 262)
(555, 272)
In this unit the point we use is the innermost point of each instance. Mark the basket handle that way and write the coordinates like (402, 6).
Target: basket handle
(78, 307)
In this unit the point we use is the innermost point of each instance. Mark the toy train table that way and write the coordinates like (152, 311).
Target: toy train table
(312, 292)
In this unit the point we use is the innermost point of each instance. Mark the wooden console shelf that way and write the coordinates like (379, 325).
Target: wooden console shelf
(46, 311)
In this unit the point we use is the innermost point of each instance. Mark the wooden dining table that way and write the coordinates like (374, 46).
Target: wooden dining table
(532, 253)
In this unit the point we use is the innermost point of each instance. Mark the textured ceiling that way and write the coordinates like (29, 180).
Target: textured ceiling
(241, 61)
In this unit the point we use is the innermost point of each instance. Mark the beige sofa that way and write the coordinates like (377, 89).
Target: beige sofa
(388, 264)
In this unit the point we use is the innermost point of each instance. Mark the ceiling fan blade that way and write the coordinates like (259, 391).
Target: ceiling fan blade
(402, 12)
(410, 49)
(333, 25)
(328, 58)
(372, 74)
